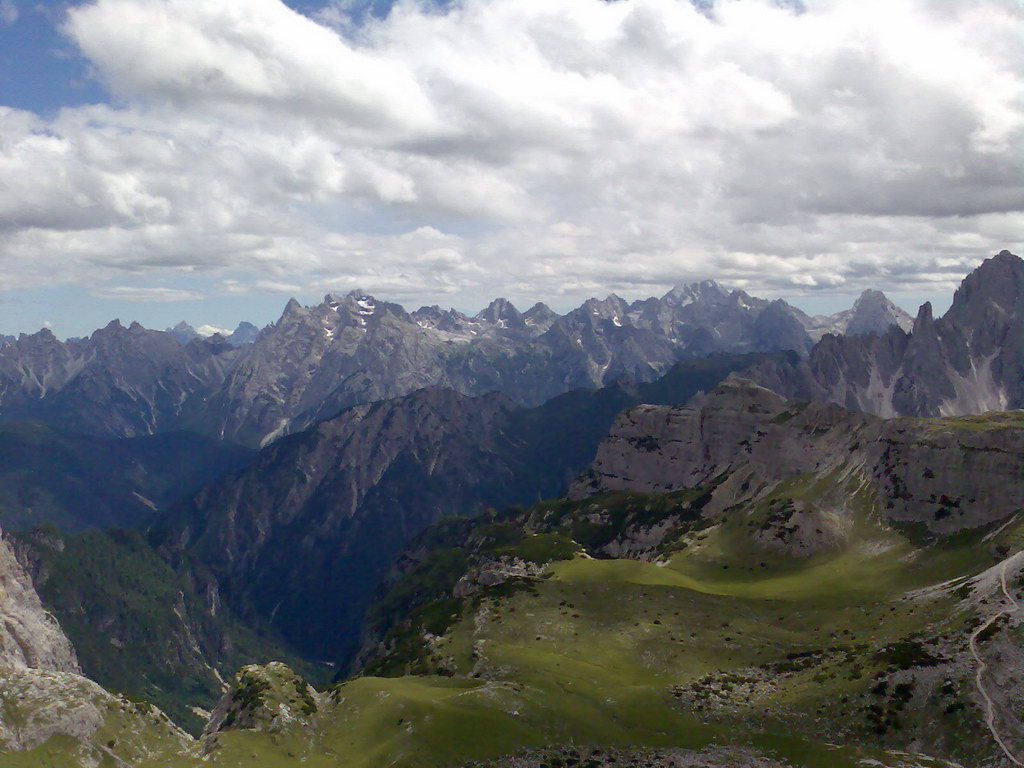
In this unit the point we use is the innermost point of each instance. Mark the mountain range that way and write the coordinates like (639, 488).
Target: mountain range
(252, 387)
(678, 532)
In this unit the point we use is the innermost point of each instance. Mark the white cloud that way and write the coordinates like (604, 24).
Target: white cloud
(8, 13)
(532, 147)
(146, 295)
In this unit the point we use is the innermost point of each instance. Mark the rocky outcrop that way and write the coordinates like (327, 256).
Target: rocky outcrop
(269, 697)
(493, 571)
(742, 439)
(95, 726)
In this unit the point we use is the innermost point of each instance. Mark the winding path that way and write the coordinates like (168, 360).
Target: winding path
(990, 709)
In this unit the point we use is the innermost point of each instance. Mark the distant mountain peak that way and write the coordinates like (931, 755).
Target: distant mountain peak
(874, 313)
(500, 310)
(705, 290)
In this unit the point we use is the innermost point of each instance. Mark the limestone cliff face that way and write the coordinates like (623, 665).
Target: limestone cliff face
(948, 474)
(30, 638)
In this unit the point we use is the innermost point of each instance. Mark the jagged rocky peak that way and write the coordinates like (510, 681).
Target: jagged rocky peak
(111, 328)
(429, 317)
(183, 332)
(245, 333)
(779, 327)
(42, 337)
(293, 311)
(357, 296)
(745, 301)
(354, 308)
(998, 282)
(502, 313)
(449, 320)
(611, 308)
(540, 316)
(874, 313)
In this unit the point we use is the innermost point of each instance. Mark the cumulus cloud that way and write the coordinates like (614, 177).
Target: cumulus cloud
(535, 147)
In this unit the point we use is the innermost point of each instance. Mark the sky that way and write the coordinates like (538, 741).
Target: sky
(207, 159)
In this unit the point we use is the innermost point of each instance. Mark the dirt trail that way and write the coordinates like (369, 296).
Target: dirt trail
(979, 678)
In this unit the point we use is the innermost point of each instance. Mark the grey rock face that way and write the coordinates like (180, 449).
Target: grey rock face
(971, 360)
(255, 386)
(316, 361)
(30, 638)
(874, 313)
(183, 332)
(947, 475)
(39, 704)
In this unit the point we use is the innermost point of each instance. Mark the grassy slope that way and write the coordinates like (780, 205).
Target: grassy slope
(594, 653)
